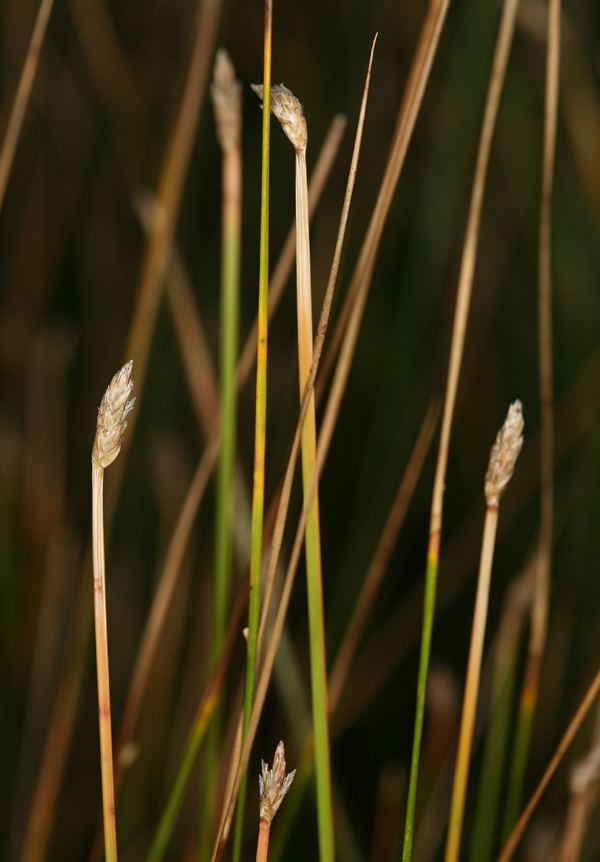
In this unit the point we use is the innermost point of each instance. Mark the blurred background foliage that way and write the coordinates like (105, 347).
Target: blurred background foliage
(71, 244)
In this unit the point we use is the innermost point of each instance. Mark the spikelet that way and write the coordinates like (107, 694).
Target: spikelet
(289, 112)
(112, 415)
(274, 784)
(504, 454)
(226, 94)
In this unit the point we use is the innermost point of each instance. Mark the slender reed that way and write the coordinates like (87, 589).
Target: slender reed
(111, 425)
(517, 605)
(17, 114)
(274, 784)
(258, 492)
(290, 114)
(503, 457)
(568, 736)
(539, 612)
(463, 300)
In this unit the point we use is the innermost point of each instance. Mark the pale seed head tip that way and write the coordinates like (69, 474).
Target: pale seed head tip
(290, 113)
(273, 784)
(112, 417)
(226, 94)
(504, 454)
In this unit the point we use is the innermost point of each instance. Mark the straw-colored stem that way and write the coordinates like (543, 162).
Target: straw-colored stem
(106, 755)
(576, 722)
(314, 576)
(258, 492)
(463, 300)
(539, 615)
(15, 122)
(262, 845)
(465, 739)
(517, 605)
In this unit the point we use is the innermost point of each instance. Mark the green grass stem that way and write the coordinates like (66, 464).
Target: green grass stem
(258, 493)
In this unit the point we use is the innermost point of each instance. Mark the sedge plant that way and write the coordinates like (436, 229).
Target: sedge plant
(290, 114)
(503, 458)
(112, 421)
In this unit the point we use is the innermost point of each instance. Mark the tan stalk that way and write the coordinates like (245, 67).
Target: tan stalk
(274, 784)
(503, 457)
(112, 421)
(17, 114)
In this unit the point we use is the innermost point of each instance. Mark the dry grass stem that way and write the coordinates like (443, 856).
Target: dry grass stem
(111, 424)
(17, 114)
(503, 457)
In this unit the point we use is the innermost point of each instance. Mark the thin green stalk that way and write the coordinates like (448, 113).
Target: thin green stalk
(258, 493)
(517, 603)
(463, 301)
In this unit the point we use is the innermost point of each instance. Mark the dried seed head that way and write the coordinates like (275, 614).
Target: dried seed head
(226, 94)
(274, 784)
(504, 454)
(112, 420)
(289, 112)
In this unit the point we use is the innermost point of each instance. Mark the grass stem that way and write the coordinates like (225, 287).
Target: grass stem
(112, 422)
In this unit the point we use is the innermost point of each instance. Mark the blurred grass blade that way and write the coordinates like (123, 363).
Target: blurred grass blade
(17, 114)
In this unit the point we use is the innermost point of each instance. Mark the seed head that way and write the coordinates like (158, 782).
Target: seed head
(274, 784)
(289, 112)
(226, 94)
(504, 454)
(112, 420)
